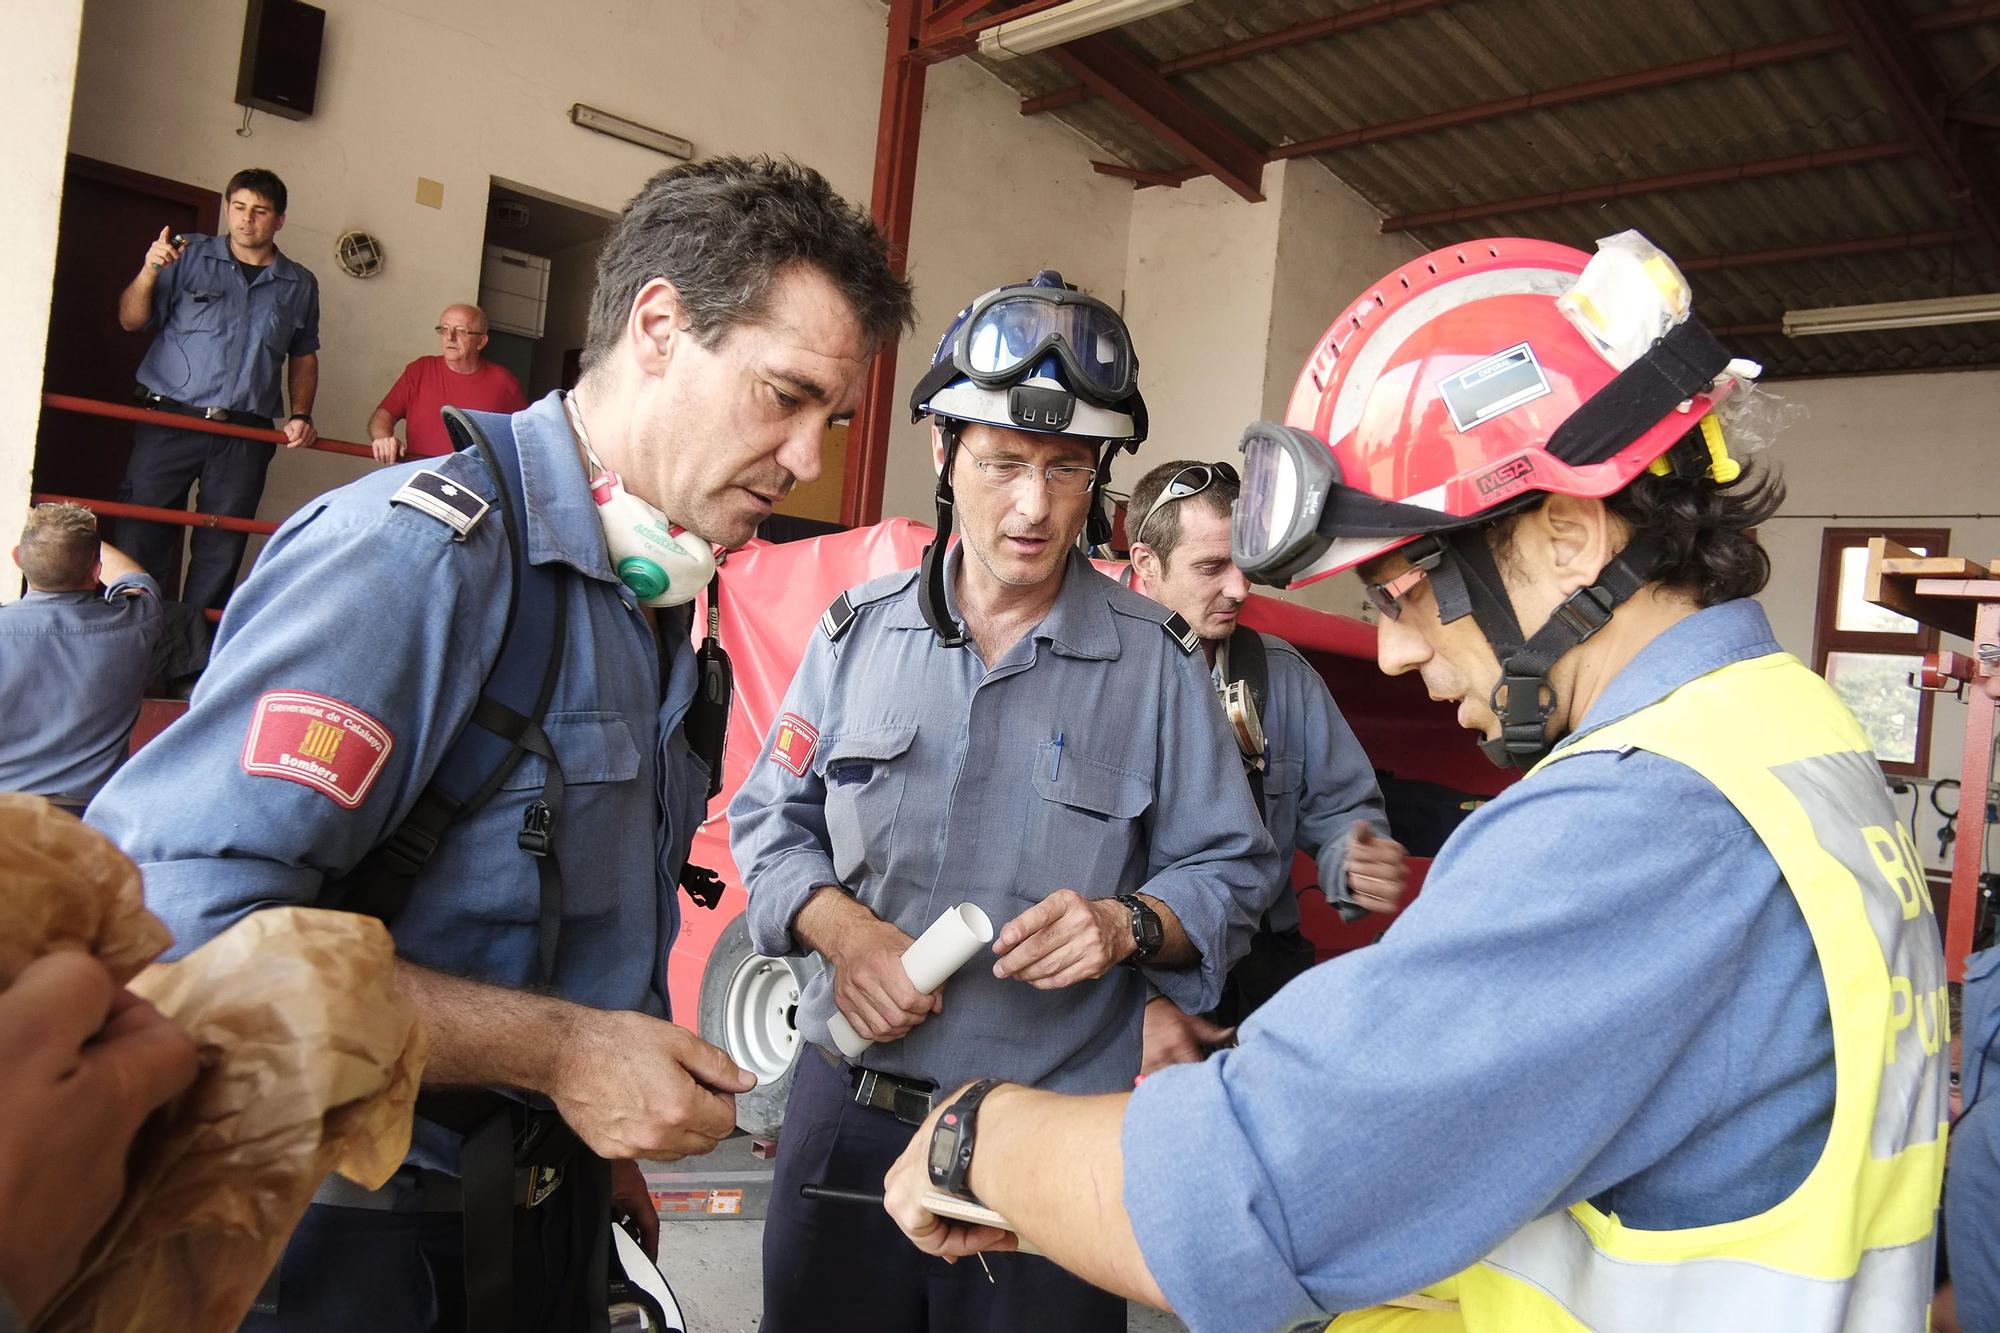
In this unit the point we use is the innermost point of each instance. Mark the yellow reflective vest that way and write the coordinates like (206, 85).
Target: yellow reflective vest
(1850, 1250)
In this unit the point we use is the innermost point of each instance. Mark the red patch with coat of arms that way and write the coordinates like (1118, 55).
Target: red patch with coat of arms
(317, 742)
(793, 744)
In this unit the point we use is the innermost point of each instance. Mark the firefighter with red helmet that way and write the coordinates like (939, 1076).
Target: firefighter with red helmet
(1660, 1045)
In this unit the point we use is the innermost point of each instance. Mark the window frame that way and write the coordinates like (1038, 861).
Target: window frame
(1828, 638)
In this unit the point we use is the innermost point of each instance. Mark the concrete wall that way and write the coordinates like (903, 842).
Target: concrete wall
(1912, 451)
(37, 65)
(461, 92)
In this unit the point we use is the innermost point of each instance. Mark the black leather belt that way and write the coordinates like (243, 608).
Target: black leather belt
(159, 402)
(908, 1099)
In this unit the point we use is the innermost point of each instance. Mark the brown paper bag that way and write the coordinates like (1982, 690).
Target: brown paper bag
(310, 1063)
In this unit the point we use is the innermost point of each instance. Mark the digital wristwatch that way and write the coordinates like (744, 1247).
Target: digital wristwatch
(1147, 933)
(951, 1141)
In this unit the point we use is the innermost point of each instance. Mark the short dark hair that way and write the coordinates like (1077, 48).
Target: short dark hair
(259, 181)
(1163, 532)
(1702, 530)
(722, 230)
(59, 547)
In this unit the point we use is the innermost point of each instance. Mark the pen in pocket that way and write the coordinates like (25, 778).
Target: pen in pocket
(1055, 758)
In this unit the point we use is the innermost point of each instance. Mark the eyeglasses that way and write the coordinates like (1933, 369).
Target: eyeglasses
(447, 331)
(1386, 596)
(1006, 473)
(1190, 480)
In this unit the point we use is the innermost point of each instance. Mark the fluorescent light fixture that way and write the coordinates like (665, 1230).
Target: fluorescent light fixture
(631, 131)
(1892, 315)
(1066, 23)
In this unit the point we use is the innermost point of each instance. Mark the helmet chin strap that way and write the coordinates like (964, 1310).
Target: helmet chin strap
(930, 596)
(1466, 580)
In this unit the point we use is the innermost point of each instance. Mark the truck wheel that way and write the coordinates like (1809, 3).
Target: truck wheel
(749, 1007)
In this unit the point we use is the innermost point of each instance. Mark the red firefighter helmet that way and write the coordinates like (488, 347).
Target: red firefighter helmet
(1452, 389)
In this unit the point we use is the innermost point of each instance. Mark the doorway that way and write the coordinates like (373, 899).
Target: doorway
(110, 214)
(539, 266)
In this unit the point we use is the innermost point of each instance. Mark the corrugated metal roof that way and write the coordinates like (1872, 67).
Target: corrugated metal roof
(1471, 52)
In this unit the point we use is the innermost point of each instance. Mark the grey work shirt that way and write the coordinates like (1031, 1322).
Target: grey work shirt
(1091, 756)
(1318, 784)
(73, 668)
(223, 340)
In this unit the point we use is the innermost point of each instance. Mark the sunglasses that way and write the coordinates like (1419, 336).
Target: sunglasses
(1387, 597)
(1190, 480)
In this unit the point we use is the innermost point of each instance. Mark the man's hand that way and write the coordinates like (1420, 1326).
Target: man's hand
(1378, 872)
(86, 1062)
(1176, 1038)
(387, 449)
(299, 433)
(1063, 939)
(904, 1188)
(870, 987)
(633, 1086)
(630, 1196)
(162, 251)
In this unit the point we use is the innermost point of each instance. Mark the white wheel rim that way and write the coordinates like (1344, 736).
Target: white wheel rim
(760, 1010)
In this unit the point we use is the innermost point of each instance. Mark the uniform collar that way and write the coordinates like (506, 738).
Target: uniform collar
(1706, 641)
(71, 597)
(217, 249)
(561, 522)
(1078, 625)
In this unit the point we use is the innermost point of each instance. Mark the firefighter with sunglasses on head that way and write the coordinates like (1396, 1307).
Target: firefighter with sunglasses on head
(1660, 1047)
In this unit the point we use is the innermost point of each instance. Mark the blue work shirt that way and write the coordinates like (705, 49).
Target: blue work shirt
(1606, 992)
(375, 606)
(73, 672)
(1972, 1182)
(1091, 756)
(1318, 782)
(224, 340)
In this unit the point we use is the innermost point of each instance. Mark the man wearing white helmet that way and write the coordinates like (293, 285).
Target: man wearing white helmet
(1660, 1045)
(1004, 727)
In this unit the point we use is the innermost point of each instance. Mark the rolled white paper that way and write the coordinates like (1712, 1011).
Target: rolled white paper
(940, 951)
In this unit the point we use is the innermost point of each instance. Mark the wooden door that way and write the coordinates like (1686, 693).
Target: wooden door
(110, 215)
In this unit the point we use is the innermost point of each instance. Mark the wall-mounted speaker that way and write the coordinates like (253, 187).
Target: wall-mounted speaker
(280, 68)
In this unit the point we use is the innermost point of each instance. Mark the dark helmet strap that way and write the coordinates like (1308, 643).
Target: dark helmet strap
(930, 595)
(1523, 698)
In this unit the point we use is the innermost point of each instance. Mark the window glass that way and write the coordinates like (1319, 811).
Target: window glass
(1876, 688)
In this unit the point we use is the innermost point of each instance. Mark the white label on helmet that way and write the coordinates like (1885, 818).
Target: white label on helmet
(1497, 385)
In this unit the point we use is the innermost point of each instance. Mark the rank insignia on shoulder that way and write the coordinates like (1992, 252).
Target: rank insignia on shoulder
(1181, 632)
(447, 501)
(833, 622)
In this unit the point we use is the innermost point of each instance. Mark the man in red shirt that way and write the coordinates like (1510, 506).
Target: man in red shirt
(429, 384)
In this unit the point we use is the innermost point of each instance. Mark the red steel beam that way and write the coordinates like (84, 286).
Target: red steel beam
(1707, 67)
(1901, 70)
(1295, 35)
(892, 202)
(938, 41)
(179, 517)
(1117, 72)
(1590, 194)
(1171, 179)
(952, 13)
(1975, 773)
(1790, 254)
(91, 407)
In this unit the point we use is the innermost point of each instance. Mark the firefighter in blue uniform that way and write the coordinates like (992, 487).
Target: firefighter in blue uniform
(1007, 727)
(738, 304)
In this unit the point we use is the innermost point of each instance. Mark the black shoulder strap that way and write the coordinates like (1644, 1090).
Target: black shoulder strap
(1181, 633)
(505, 723)
(833, 621)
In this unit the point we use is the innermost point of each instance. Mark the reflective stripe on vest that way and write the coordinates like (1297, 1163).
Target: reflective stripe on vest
(1850, 1250)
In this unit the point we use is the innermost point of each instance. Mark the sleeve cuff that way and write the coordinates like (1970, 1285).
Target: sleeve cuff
(780, 892)
(1217, 1262)
(1198, 988)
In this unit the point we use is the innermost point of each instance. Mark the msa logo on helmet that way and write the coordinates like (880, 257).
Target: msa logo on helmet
(1510, 476)
(1493, 387)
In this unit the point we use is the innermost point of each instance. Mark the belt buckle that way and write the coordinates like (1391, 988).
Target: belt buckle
(215, 413)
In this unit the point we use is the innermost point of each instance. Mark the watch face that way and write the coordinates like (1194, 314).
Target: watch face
(944, 1146)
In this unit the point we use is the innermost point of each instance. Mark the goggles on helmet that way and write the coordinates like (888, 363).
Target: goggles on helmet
(1008, 331)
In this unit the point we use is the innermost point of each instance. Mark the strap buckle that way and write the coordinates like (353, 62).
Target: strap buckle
(1585, 611)
(538, 825)
(409, 849)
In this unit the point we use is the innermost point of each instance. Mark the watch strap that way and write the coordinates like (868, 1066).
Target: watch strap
(958, 1122)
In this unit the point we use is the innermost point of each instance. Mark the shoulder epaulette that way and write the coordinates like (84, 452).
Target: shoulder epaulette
(833, 622)
(449, 502)
(1181, 632)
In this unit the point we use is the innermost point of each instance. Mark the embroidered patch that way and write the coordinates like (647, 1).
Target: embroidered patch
(317, 742)
(792, 748)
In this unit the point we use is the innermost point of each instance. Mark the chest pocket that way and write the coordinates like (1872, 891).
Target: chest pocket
(864, 773)
(600, 762)
(1283, 780)
(1087, 817)
(199, 310)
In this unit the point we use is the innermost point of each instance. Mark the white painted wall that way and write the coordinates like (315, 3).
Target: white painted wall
(37, 65)
(1903, 451)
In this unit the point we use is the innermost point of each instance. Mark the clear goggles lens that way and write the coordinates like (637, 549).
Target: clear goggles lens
(1267, 509)
(1017, 330)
